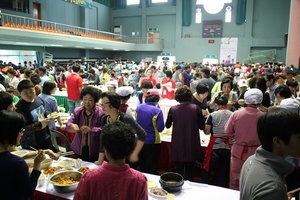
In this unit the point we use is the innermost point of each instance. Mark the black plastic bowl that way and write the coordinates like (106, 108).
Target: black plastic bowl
(171, 181)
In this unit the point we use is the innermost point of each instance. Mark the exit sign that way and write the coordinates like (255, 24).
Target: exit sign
(211, 41)
(165, 54)
(152, 29)
(210, 56)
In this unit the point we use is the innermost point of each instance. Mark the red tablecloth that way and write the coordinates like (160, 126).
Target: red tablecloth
(165, 162)
(37, 195)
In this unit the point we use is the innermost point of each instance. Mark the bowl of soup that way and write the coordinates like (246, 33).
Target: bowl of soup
(171, 181)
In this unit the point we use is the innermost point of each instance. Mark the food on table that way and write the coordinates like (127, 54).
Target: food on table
(64, 179)
(158, 192)
(83, 169)
(51, 170)
(171, 182)
(54, 115)
(66, 163)
(151, 184)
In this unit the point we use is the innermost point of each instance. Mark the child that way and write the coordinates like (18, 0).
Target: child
(115, 178)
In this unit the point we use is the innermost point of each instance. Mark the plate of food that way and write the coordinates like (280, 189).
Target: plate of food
(158, 193)
(51, 170)
(63, 163)
(53, 115)
(83, 169)
(20, 153)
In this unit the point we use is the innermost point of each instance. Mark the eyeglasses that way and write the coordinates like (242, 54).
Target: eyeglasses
(102, 104)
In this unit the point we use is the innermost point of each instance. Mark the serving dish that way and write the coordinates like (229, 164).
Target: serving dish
(171, 181)
(65, 181)
(65, 163)
(158, 193)
(20, 153)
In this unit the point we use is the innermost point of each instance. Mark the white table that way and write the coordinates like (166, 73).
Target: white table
(190, 190)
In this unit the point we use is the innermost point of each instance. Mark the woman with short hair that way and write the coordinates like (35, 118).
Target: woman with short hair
(86, 124)
(15, 182)
(49, 88)
(186, 119)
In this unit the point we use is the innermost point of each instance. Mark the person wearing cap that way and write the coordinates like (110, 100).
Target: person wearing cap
(242, 88)
(186, 119)
(260, 83)
(111, 86)
(242, 127)
(125, 93)
(151, 119)
(110, 104)
(262, 175)
(218, 149)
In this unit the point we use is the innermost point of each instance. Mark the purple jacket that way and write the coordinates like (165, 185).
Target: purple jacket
(94, 140)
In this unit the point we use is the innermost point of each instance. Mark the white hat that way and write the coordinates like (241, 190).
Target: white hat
(253, 96)
(242, 83)
(112, 84)
(290, 104)
(124, 91)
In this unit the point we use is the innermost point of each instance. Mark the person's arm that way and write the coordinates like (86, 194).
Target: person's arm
(201, 121)
(229, 126)
(169, 121)
(208, 125)
(160, 121)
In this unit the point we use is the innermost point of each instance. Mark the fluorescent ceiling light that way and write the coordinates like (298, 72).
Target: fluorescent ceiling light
(116, 49)
(98, 48)
(79, 46)
(22, 43)
(56, 45)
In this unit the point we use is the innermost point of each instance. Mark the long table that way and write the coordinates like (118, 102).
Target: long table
(190, 190)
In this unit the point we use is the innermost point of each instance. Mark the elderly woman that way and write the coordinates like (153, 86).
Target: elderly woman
(241, 126)
(16, 183)
(151, 119)
(186, 119)
(86, 124)
(110, 104)
(51, 106)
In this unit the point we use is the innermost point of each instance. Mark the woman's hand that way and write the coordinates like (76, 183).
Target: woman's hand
(51, 154)
(39, 159)
(74, 128)
(85, 129)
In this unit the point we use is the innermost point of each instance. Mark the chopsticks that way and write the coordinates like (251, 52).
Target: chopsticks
(69, 153)
(295, 190)
(33, 148)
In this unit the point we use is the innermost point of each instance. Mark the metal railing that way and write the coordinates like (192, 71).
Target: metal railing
(15, 21)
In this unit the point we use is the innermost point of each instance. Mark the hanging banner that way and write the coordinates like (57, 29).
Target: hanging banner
(84, 3)
(228, 50)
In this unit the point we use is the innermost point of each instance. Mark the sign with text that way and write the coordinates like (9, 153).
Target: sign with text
(84, 3)
(228, 50)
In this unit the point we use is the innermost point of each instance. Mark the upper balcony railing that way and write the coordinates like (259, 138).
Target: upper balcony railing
(33, 24)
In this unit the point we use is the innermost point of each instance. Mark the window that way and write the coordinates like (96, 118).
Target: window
(15, 5)
(198, 16)
(212, 6)
(133, 2)
(159, 1)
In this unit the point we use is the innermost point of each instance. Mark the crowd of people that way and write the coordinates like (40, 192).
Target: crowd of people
(232, 104)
